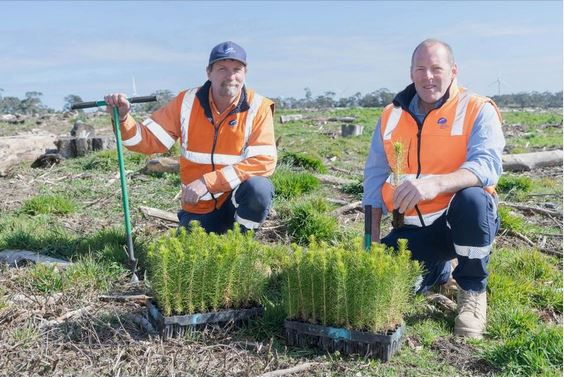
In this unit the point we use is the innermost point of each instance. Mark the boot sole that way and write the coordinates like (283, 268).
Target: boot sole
(468, 334)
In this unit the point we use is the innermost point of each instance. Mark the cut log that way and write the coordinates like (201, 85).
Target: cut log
(162, 165)
(22, 148)
(348, 130)
(290, 118)
(70, 147)
(20, 257)
(160, 214)
(530, 161)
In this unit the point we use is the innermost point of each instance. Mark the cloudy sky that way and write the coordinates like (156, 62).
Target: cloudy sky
(91, 48)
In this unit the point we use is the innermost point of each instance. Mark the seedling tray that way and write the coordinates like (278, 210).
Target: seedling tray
(177, 326)
(331, 339)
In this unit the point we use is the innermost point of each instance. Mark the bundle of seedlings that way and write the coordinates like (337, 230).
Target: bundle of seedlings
(192, 272)
(344, 298)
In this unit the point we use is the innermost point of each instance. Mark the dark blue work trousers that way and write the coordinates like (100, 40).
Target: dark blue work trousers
(466, 231)
(248, 205)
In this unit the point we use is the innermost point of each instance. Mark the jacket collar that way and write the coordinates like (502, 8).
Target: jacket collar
(203, 96)
(403, 98)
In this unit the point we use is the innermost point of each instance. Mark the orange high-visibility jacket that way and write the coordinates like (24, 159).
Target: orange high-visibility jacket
(438, 146)
(223, 152)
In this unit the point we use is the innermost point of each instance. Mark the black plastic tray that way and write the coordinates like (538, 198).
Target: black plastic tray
(177, 326)
(347, 342)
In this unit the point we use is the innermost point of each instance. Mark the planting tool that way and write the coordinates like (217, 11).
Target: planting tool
(124, 197)
(367, 226)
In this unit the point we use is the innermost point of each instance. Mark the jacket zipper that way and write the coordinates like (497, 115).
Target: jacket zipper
(419, 132)
(215, 134)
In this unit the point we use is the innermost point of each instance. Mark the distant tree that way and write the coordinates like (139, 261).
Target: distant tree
(163, 97)
(10, 105)
(70, 100)
(31, 104)
(326, 100)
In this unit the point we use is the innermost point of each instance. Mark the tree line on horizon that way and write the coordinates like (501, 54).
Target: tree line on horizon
(31, 104)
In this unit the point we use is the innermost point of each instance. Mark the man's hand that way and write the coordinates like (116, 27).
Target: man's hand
(411, 192)
(192, 192)
(120, 101)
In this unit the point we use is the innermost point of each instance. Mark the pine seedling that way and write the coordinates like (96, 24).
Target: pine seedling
(397, 171)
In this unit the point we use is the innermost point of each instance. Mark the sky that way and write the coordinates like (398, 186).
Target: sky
(90, 48)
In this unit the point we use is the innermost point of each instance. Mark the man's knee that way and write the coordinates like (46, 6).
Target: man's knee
(256, 193)
(471, 201)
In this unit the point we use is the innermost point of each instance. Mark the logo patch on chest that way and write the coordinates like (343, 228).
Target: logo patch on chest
(442, 122)
(233, 122)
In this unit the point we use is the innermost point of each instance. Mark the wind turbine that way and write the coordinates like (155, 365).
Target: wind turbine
(499, 84)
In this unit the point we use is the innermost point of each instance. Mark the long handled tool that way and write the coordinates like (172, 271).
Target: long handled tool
(367, 227)
(124, 197)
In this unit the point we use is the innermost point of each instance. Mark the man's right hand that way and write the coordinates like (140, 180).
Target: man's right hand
(120, 101)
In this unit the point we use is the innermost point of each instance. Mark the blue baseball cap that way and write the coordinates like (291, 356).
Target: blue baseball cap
(228, 50)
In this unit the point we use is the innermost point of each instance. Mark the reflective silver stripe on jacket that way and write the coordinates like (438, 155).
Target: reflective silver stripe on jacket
(458, 125)
(159, 132)
(185, 112)
(392, 123)
(206, 158)
(136, 139)
(428, 218)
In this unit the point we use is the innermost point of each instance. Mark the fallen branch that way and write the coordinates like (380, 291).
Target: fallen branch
(140, 299)
(539, 210)
(295, 369)
(323, 178)
(347, 207)
(160, 214)
(64, 317)
(522, 237)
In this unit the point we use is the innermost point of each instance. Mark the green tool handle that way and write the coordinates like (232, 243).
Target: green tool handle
(124, 196)
(87, 105)
(367, 227)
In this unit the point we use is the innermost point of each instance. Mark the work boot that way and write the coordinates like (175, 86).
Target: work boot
(471, 319)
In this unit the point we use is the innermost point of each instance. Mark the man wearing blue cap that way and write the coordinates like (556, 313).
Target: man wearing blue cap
(227, 146)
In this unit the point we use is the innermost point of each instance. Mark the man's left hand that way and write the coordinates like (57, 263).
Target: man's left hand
(411, 192)
(192, 192)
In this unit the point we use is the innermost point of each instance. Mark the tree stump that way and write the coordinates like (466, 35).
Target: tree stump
(351, 130)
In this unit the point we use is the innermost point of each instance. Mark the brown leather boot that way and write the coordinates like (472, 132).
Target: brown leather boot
(471, 319)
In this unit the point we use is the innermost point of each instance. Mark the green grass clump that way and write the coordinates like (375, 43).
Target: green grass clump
(48, 204)
(537, 353)
(199, 272)
(80, 276)
(107, 160)
(355, 189)
(346, 286)
(512, 222)
(289, 184)
(514, 186)
(303, 161)
(309, 218)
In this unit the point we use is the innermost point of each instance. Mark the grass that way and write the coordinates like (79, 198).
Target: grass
(290, 184)
(309, 217)
(84, 275)
(303, 161)
(48, 204)
(524, 286)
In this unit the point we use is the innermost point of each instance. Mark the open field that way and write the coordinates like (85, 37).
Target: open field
(56, 320)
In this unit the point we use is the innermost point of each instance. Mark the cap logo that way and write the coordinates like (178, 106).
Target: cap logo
(229, 50)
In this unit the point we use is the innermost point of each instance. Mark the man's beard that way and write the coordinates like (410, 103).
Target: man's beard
(228, 90)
